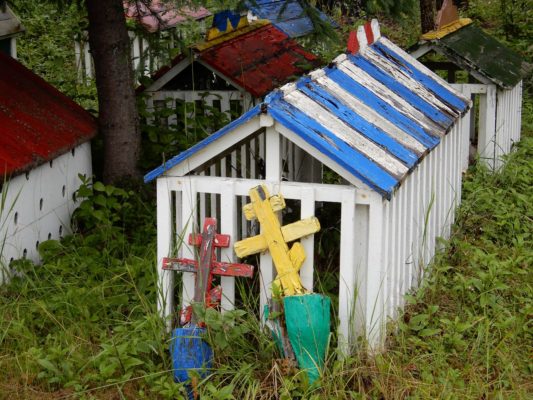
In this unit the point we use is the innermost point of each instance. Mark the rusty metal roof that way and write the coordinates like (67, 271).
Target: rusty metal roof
(159, 15)
(259, 60)
(37, 122)
(376, 112)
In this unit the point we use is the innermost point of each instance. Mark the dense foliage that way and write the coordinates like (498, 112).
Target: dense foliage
(84, 324)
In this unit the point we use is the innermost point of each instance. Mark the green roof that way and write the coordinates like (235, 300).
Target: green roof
(472, 49)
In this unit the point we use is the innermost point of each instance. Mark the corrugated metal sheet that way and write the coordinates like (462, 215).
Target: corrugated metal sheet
(376, 113)
(472, 49)
(158, 15)
(288, 15)
(258, 60)
(37, 122)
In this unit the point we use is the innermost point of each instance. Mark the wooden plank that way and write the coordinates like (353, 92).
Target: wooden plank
(374, 316)
(347, 134)
(228, 219)
(273, 155)
(290, 232)
(347, 270)
(188, 216)
(390, 97)
(371, 115)
(324, 160)
(307, 209)
(165, 304)
(291, 190)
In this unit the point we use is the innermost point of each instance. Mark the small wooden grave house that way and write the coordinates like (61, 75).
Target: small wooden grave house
(495, 76)
(386, 124)
(10, 28)
(239, 62)
(44, 145)
(157, 20)
(294, 17)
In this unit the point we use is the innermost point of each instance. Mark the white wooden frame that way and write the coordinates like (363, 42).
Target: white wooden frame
(500, 117)
(385, 246)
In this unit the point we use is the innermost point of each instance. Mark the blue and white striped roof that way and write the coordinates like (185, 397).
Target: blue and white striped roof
(376, 113)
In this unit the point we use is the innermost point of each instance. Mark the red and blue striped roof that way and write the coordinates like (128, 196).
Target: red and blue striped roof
(375, 111)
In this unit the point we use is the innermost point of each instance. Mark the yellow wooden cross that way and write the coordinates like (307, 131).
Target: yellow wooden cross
(275, 237)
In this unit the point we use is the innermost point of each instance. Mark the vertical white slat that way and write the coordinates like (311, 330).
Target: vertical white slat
(307, 209)
(165, 304)
(438, 172)
(444, 171)
(253, 161)
(487, 126)
(500, 126)
(188, 217)
(135, 52)
(405, 241)
(228, 226)
(411, 229)
(416, 223)
(79, 67)
(374, 316)
(202, 205)
(273, 174)
(224, 103)
(234, 164)
(223, 163)
(457, 167)
(518, 119)
(387, 289)
(426, 197)
(172, 120)
(395, 253)
(273, 155)
(13, 41)
(435, 209)
(244, 175)
(347, 270)
(88, 60)
(213, 197)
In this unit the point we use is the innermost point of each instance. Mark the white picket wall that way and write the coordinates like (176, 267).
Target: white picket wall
(499, 124)
(423, 210)
(508, 122)
(385, 246)
(39, 205)
(144, 61)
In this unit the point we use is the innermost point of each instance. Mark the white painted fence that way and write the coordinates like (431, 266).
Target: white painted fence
(499, 123)
(144, 59)
(384, 245)
(38, 205)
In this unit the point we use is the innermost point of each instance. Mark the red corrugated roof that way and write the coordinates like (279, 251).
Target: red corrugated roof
(260, 60)
(37, 122)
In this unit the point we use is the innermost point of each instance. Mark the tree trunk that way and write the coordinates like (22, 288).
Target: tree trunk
(118, 120)
(427, 15)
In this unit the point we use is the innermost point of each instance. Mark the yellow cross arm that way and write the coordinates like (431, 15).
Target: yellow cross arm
(277, 202)
(290, 232)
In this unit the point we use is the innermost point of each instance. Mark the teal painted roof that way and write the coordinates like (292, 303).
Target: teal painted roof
(473, 49)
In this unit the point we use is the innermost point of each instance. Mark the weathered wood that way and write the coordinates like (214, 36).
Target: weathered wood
(290, 232)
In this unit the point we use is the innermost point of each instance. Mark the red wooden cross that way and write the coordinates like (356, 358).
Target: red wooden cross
(206, 267)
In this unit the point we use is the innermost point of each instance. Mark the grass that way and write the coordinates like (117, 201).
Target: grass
(84, 324)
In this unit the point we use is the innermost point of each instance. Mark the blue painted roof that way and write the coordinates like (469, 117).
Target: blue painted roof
(376, 114)
(288, 15)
